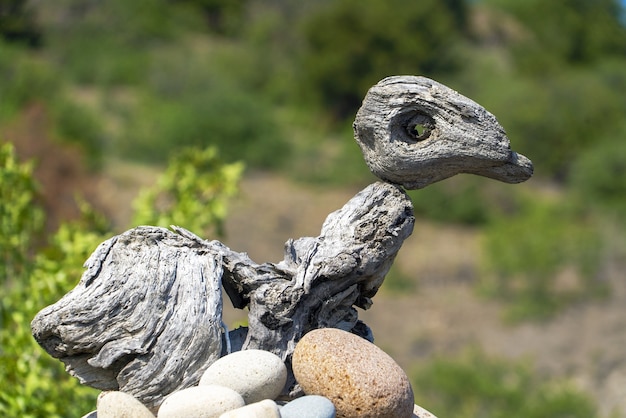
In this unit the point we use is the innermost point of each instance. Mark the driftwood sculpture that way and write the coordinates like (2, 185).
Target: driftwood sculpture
(145, 317)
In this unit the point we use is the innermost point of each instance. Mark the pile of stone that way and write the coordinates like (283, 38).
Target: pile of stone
(341, 374)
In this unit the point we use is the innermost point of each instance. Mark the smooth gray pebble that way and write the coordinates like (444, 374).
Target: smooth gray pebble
(310, 406)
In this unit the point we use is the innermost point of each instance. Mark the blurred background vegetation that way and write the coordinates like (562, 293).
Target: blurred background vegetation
(275, 85)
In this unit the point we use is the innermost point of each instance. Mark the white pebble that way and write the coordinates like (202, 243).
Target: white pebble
(117, 404)
(209, 401)
(264, 409)
(254, 374)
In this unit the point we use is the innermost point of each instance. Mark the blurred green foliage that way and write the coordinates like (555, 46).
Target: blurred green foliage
(544, 257)
(108, 43)
(18, 23)
(352, 44)
(227, 118)
(397, 282)
(224, 17)
(565, 32)
(33, 383)
(28, 79)
(24, 78)
(21, 221)
(478, 385)
(79, 125)
(200, 72)
(459, 200)
(556, 118)
(192, 193)
(599, 175)
(560, 64)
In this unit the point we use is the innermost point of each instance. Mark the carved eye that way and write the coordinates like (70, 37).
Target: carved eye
(419, 127)
(417, 131)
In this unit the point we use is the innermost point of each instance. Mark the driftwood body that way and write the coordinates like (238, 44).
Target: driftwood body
(145, 317)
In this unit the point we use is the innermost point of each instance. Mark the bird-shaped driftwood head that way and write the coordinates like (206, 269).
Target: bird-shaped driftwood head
(414, 131)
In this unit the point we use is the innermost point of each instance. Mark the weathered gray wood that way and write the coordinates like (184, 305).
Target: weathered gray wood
(414, 131)
(321, 279)
(145, 317)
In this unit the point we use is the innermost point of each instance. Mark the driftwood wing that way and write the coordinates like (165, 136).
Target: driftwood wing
(145, 317)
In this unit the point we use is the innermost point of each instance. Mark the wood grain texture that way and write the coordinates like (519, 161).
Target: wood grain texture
(146, 316)
(322, 280)
(414, 131)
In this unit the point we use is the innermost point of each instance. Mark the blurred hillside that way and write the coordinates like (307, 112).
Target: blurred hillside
(100, 95)
(277, 83)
